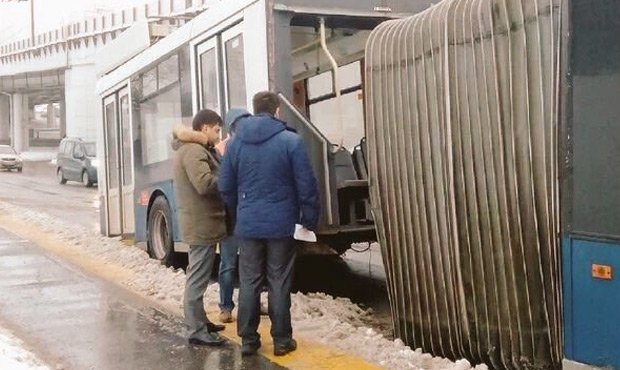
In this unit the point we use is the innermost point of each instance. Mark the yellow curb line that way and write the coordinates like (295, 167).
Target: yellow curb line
(310, 355)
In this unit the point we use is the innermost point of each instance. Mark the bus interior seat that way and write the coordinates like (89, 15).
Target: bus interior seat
(352, 189)
(345, 172)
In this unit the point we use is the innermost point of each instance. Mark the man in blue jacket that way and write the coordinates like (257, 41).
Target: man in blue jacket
(267, 178)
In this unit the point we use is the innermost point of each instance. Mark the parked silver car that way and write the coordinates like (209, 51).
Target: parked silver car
(76, 161)
(9, 160)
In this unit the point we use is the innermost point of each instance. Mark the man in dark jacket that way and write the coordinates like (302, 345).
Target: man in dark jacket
(266, 176)
(202, 220)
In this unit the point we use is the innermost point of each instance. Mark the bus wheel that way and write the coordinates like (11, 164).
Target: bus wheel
(160, 243)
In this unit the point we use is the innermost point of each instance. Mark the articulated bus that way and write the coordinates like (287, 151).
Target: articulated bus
(312, 54)
(491, 161)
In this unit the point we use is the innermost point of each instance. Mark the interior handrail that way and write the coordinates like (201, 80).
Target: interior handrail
(326, 147)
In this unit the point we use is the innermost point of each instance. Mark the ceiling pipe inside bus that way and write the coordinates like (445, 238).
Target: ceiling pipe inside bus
(336, 83)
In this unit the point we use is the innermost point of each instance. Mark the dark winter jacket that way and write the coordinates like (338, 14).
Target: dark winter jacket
(267, 178)
(199, 204)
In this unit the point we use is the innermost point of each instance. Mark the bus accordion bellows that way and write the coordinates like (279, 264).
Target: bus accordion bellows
(494, 168)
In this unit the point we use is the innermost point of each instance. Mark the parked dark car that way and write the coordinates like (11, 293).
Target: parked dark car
(77, 161)
(9, 160)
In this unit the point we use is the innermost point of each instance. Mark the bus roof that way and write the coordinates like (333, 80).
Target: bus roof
(217, 14)
(225, 11)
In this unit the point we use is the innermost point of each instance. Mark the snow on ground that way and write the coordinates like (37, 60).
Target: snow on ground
(14, 356)
(42, 155)
(336, 322)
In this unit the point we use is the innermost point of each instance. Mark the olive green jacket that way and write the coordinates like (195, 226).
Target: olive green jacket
(200, 208)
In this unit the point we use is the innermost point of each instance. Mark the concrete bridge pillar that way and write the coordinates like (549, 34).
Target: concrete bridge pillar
(63, 118)
(5, 120)
(51, 115)
(20, 122)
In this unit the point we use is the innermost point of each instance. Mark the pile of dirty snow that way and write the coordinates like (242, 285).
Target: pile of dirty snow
(336, 322)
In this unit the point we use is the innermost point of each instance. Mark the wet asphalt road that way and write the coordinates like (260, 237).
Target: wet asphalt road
(74, 321)
(36, 188)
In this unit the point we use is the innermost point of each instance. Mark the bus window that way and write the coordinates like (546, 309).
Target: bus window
(322, 104)
(235, 72)
(168, 72)
(159, 111)
(320, 85)
(208, 73)
(149, 82)
(159, 114)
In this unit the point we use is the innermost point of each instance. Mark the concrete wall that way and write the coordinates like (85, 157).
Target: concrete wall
(81, 101)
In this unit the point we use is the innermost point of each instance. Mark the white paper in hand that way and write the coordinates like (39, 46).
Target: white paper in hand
(303, 234)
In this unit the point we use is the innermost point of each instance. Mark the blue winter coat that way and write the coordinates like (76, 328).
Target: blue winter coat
(267, 178)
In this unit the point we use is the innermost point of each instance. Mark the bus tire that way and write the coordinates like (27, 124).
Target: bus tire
(160, 241)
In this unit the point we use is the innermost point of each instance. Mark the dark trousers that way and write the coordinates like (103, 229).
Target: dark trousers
(271, 261)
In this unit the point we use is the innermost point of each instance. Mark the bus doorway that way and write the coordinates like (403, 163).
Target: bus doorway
(119, 184)
(320, 59)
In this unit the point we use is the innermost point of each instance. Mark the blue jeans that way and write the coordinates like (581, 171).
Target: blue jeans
(273, 261)
(228, 272)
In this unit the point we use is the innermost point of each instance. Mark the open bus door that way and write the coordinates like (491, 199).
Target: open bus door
(119, 184)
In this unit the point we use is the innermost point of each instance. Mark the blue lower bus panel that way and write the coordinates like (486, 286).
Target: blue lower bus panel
(592, 302)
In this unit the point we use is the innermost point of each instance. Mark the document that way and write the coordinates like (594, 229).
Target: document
(303, 234)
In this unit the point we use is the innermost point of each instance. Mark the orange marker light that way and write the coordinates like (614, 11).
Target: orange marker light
(144, 198)
(601, 272)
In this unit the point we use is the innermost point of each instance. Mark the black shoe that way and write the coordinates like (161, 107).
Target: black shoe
(283, 348)
(250, 349)
(206, 339)
(214, 328)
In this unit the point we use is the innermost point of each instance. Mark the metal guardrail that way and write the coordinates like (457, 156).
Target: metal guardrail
(325, 144)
